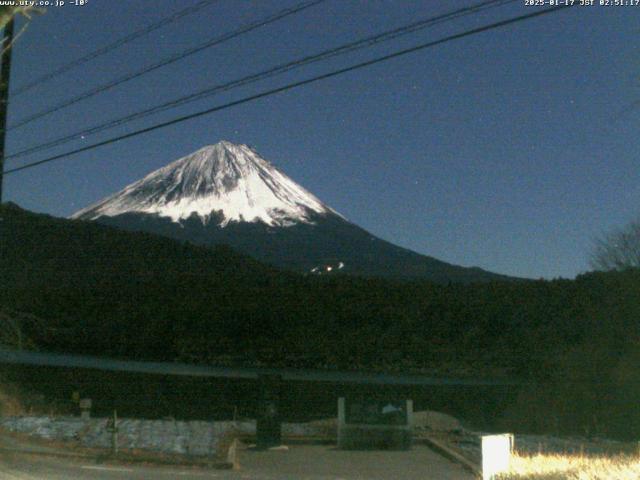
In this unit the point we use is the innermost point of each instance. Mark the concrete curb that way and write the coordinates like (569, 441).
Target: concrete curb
(123, 457)
(27, 451)
(451, 454)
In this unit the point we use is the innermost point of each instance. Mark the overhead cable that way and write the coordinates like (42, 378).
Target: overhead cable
(112, 46)
(290, 86)
(271, 72)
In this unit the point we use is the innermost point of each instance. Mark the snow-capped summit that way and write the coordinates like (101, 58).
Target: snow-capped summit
(228, 182)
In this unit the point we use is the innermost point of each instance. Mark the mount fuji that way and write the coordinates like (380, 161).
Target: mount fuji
(228, 194)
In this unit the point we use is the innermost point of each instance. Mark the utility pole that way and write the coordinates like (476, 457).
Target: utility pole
(5, 74)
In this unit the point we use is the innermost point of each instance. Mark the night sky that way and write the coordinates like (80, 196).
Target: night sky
(510, 150)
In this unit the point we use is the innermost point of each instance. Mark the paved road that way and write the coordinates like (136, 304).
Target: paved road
(300, 463)
(316, 462)
(32, 467)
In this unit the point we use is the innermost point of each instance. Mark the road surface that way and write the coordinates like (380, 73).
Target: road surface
(302, 462)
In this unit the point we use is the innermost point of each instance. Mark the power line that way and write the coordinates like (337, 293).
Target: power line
(282, 68)
(112, 46)
(169, 60)
(293, 85)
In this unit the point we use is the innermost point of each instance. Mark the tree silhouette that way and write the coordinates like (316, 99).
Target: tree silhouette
(618, 250)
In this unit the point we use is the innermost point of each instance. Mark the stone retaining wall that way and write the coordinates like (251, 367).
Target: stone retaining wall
(166, 436)
(180, 437)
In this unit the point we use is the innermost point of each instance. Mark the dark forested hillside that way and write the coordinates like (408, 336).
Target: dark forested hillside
(143, 296)
(108, 292)
(328, 240)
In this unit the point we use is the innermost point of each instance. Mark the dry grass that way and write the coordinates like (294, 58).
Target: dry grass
(10, 406)
(15, 401)
(10, 402)
(573, 467)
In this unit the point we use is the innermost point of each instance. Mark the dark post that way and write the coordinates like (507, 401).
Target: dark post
(114, 438)
(5, 74)
(268, 423)
(112, 427)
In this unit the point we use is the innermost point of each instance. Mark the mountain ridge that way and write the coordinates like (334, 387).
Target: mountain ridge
(228, 194)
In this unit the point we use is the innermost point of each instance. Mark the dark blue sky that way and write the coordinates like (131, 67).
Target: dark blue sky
(508, 150)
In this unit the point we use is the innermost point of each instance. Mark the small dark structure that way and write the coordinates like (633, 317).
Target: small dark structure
(375, 423)
(268, 423)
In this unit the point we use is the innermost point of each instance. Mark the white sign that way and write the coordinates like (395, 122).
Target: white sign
(496, 454)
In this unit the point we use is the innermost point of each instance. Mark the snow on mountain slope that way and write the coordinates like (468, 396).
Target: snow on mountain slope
(227, 194)
(223, 179)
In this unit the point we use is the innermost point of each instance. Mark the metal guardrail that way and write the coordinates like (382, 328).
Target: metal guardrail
(22, 357)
